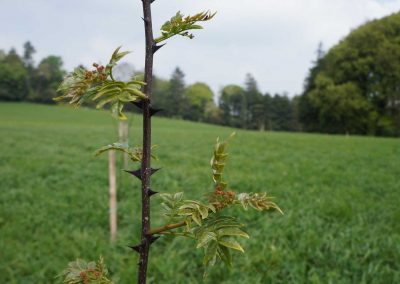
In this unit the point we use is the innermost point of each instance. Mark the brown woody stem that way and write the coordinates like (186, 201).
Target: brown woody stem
(146, 167)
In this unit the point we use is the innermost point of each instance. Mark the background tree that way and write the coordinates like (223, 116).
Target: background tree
(174, 100)
(13, 77)
(232, 103)
(29, 51)
(281, 113)
(342, 109)
(363, 70)
(47, 76)
(198, 98)
(254, 105)
(267, 107)
(160, 94)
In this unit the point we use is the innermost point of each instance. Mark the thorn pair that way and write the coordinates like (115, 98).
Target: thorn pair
(138, 173)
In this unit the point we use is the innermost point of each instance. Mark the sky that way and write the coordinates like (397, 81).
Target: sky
(274, 40)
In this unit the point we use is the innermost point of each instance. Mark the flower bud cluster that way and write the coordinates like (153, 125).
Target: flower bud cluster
(221, 198)
(98, 74)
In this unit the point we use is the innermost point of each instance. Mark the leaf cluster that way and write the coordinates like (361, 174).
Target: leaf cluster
(99, 86)
(218, 161)
(176, 208)
(215, 233)
(83, 272)
(217, 236)
(181, 25)
(258, 201)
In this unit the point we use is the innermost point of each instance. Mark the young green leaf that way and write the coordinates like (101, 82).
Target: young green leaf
(231, 244)
(181, 25)
(232, 231)
(225, 255)
(210, 255)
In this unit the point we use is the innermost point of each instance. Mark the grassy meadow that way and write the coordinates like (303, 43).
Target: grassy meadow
(340, 195)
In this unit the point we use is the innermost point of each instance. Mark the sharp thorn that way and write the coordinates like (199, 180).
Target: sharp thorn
(154, 170)
(154, 110)
(138, 104)
(137, 173)
(136, 248)
(154, 238)
(157, 47)
(151, 192)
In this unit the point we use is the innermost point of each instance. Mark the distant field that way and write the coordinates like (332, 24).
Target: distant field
(340, 195)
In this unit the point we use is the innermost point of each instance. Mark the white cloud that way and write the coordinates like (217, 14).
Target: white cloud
(275, 40)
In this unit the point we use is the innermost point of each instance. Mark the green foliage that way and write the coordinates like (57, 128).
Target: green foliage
(233, 105)
(54, 201)
(175, 208)
(13, 78)
(172, 100)
(353, 88)
(45, 79)
(20, 79)
(217, 236)
(204, 223)
(99, 85)
(197, 99)
(342, 108)
(218, 161)
(181, 25)
(259, 201)
(29, 50)
(212, 232)
(82, 272)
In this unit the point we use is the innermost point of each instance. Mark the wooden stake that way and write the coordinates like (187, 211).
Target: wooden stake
(113, 195)
(123, 128)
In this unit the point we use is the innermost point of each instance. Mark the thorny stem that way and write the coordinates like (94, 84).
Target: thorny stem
(145, 168)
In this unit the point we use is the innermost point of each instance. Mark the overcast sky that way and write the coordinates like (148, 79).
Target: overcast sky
(275, 40)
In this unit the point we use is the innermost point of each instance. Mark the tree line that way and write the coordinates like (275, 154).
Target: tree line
(237, 106)
(354, 88)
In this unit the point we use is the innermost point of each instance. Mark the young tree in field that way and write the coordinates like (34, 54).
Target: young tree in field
(201, 220)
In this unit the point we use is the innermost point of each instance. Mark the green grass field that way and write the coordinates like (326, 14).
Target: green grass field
(340, 195)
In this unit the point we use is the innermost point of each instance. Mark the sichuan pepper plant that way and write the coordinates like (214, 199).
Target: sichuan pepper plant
(204, 221)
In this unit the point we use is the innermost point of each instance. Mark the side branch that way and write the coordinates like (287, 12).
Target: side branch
(167, 228)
